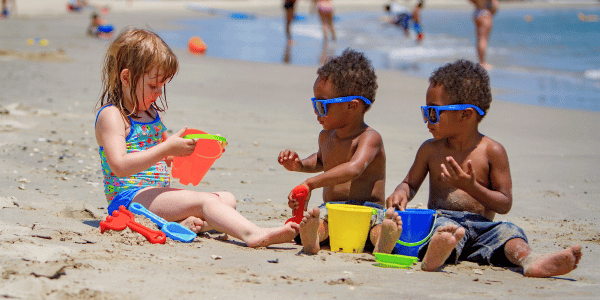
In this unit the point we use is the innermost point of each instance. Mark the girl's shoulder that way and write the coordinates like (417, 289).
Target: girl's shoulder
(110, 115)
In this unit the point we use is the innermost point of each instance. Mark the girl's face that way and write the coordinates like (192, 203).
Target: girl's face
(149, 88)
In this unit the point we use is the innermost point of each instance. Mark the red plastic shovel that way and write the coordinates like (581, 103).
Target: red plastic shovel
(124, 218)
(299, 193)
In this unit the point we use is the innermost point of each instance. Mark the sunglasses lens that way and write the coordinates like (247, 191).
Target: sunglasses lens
(320, 108)
(432, 115)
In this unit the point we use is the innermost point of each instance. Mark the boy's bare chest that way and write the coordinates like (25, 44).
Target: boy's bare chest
(336, 152)
(478, 159)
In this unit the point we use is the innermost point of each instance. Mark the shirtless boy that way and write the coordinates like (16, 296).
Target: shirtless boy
(469, 181)
(351, 156)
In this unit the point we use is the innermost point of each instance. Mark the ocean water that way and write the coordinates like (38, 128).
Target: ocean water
(544, 56)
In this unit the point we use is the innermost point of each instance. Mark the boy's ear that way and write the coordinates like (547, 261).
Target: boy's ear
(125, 77)
(468, 113)
(353, 104)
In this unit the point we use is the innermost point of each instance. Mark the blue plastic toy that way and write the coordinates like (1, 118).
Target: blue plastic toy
(173, 230)
(105, 28)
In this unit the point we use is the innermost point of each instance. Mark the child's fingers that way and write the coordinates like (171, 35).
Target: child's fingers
(181, 131)
(445, 172)
(470, 170)
(455, 166)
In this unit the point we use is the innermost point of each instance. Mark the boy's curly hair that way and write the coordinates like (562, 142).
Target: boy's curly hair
(464, 82)
(351, 74)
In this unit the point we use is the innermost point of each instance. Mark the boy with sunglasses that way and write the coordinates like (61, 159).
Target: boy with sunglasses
(469, 181)
(351, 157)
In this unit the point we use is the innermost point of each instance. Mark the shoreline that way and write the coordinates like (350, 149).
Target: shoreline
(31, 8)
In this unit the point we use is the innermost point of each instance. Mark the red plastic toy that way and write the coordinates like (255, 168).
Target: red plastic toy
(191, 169)
(299, 193)
(124, 218)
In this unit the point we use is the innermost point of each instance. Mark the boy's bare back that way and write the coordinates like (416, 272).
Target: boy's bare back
(367, 146)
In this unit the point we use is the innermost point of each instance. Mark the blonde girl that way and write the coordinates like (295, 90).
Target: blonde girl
(135, 149)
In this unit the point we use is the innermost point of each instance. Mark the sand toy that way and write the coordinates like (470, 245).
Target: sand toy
(124, 218)
(173, 230)
(192, 168)
(299, 193)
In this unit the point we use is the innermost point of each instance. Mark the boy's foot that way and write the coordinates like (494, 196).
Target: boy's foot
(309, 231)
(391, 229)
(195, 224)
(269, 236)
(486, 66)
(554, 264)
(441, 245)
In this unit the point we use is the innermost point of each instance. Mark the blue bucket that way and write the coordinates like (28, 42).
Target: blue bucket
(417, 228)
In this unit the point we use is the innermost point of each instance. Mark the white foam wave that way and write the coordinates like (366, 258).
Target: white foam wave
(420, 52)
(592, 74)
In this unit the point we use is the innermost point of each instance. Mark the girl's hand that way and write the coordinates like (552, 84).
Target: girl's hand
(289, 160)
(178, 146)
(456, 176)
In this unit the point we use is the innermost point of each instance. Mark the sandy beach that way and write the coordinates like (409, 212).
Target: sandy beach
(51, 193)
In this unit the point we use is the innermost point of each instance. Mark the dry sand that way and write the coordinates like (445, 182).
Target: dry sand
(51, 195)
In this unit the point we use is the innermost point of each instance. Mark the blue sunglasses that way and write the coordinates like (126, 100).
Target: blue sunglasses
(432, 113)
(321, 105)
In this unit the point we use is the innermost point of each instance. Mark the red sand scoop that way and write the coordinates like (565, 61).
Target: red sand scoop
(299, 193)
(124, 218)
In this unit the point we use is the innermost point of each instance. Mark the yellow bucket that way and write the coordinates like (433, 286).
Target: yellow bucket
(348, 227)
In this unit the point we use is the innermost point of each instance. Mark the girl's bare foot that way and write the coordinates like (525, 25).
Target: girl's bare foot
(309, 231)
(441, 245)
(269, 236)
(195, 224)
(391, 229)
(554, 264)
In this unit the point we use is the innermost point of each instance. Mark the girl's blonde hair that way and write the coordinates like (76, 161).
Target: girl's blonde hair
(139, 51)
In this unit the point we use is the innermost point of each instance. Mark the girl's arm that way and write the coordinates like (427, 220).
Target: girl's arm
(111, 130)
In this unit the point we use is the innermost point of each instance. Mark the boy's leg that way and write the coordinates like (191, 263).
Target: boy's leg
(441, 245)
(177, 205)
(385, 235)
(519, 253)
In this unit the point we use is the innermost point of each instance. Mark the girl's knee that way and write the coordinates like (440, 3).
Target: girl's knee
(227, 198)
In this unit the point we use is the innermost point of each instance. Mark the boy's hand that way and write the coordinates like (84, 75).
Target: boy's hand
(458, 177)
(397, 200)
(293, 203)
(289, 160)
(179, 146)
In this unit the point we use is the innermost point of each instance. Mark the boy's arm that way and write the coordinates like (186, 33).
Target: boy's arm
(498, 197)
(291, 162)
(408, 188)
(367, 149)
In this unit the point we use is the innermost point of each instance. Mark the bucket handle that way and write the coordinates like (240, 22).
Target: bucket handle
(221, 140)
(403, 243)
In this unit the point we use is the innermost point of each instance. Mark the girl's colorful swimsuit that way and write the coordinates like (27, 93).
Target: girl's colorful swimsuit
(141, 136)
